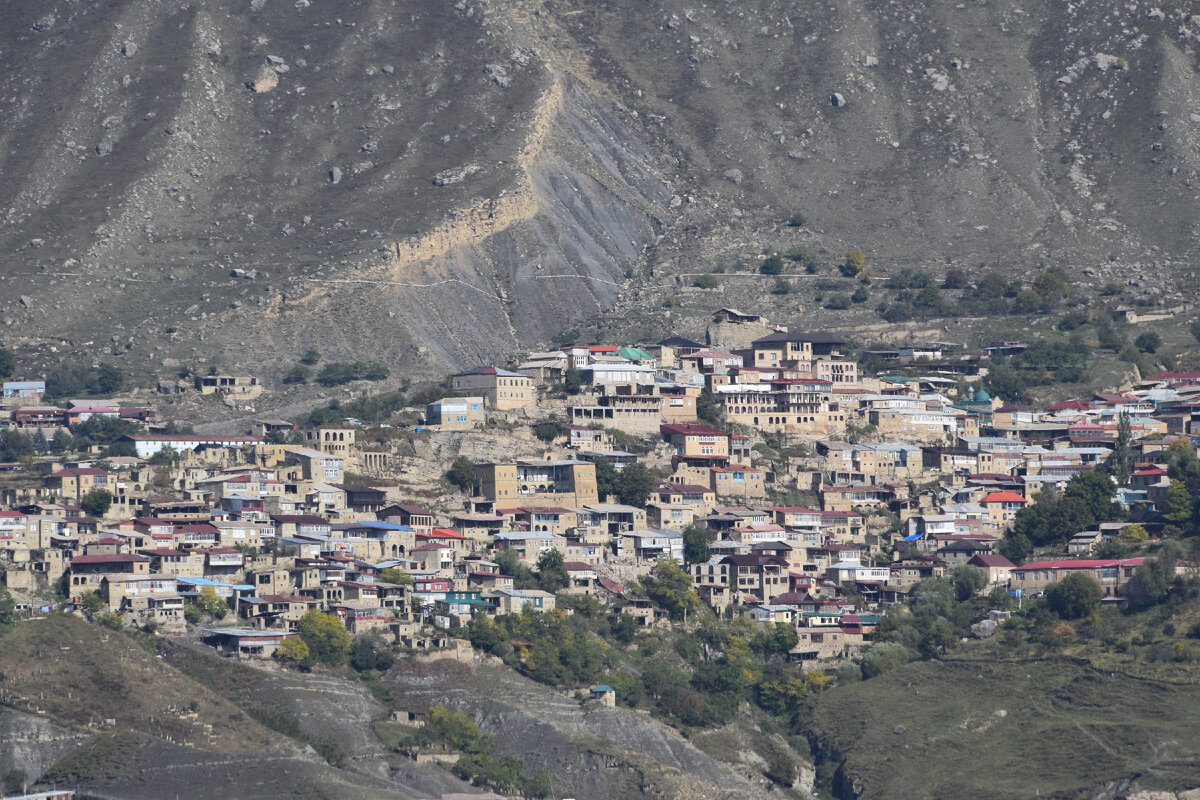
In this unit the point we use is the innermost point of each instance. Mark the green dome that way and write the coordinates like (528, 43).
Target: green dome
(982, 396)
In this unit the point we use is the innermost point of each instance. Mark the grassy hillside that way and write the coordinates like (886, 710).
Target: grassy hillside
(987, 729)
(83, 675)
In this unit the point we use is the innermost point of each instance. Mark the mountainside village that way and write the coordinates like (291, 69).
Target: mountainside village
(788, 487)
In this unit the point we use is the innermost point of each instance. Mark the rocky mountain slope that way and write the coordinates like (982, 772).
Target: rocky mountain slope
(451, 182)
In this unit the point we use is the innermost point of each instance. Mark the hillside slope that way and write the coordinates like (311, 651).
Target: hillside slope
(996, 729)
(455, 182)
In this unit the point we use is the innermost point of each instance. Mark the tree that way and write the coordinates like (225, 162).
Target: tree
(15, 445)
(706, 281)
(1151, 582)
(856, 262)
(773, 265)
(1179, 504)
(371, 652)
(462, 473)
(552, 575)
(708, 409)
(8, 608)
(97, 502)
(671, 588)
(60, 442)
(325, 636)
(15, 781)
(311, 356)
(38, 440)
(547, 431)
(695, 544)
(861, 295)
(8, 362)
(395, 576)
(109, 379)
(211, 603)
(1075, 596)
(606, 478)
(165, 457)
(298, 374)
(1148, 342)
(885, 657)
(572, 380)
(782, 286)
(294, 651)
(968, 581)
(634, 484)
(1120, 463)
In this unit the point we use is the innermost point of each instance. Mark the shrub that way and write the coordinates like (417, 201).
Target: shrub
(861, 295)
(1072, 320)
(773, 265)
(707, 281)
(855, 263)
(797, 221)
(838, 302)
(782, 286)
(955, 279)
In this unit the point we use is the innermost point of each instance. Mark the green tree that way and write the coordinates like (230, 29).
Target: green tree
(311, 356)
(782, 286)
(1120, 463)
(8, 362)
(15, 781)
(1179, 504)
(695, 544)
(547, 431)
(708, 409)
(1151, 582)
(462, 473)
(968, 581)
(551, 574)
(572, 380)
(294, 651)
(606, 478)
(861, 295)
(634, 484)
(8, 608)
(1075, 596)
(15, 445)
(60, 442)
(371, 652)
(671, 588)
(38, 440)
(212, 604)
(707, 281)
(109, 379)
(165, 457)
(395, 576)
(1148, 342)
(885, 657)
(325, 636)
(97, 502)
(772, 265)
